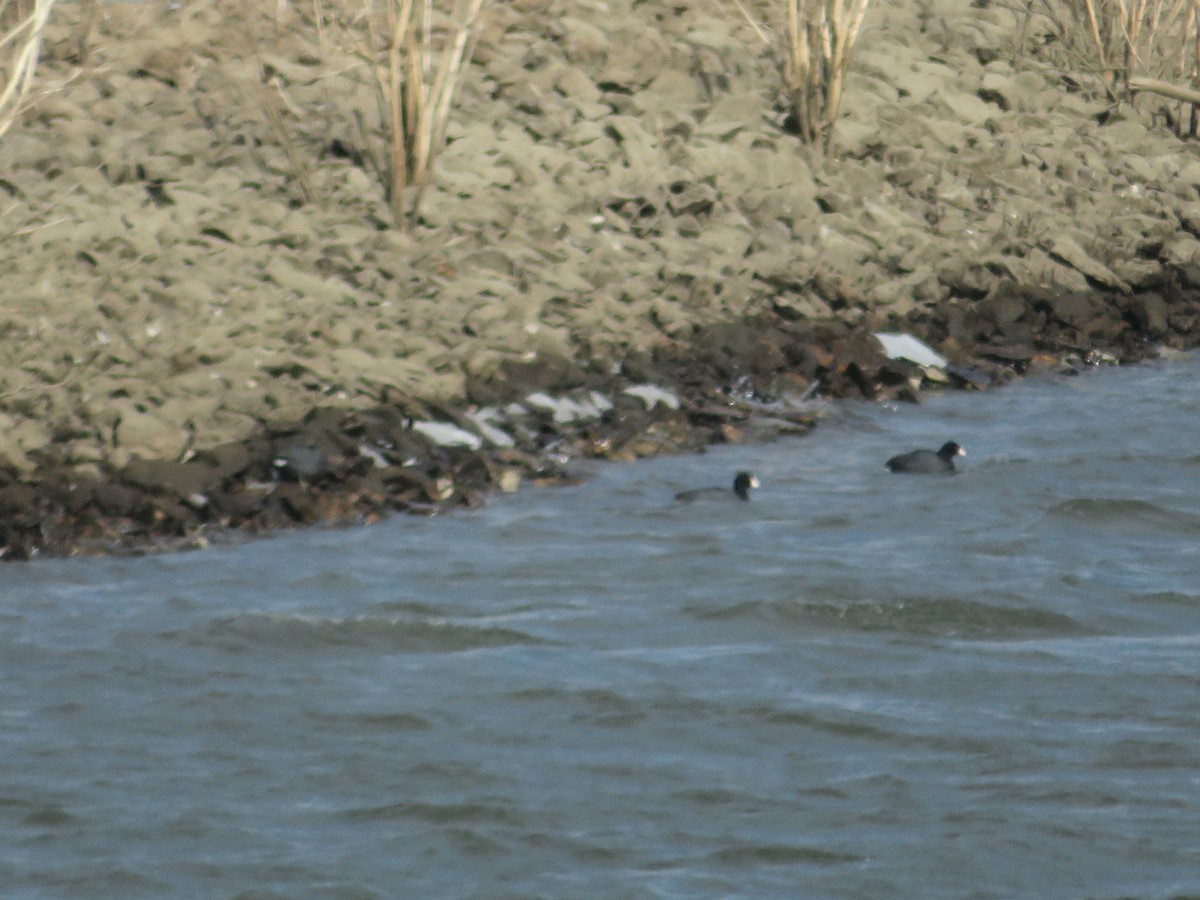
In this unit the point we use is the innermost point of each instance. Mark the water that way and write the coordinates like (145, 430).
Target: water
(857, 685)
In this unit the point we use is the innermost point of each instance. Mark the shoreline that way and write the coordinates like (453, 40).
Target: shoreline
(751, 381)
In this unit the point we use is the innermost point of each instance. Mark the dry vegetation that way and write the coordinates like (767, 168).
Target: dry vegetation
(21, 27)
(1134, 46)
(812, 42)
(416, 54)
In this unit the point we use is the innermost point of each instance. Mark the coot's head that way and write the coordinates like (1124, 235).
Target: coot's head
(950, 450)
(742, 482)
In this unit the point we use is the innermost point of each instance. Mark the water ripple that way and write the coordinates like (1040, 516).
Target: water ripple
(1127, 515)
(270, 632)
(942, 616)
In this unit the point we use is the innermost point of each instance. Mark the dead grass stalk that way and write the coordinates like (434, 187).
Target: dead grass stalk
(20, 46)
(416, 54)
(813, 43)
(1137, 46)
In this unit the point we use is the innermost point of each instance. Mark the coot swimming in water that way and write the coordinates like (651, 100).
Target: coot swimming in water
(742, 483)
(926, 462)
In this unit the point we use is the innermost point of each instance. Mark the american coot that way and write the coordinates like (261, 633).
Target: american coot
(926, 462)
(742, 483)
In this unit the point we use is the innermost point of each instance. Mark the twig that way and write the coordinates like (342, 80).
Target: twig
(27, 38)
(1164, 89)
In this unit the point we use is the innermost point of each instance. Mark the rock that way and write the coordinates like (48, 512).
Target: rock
(1065, 249)
(115, 499)
(297, 502)
(1148, 313)
(17, 500)
(147, 435)
(239, 504)
(1183, 250)
(231, 459)
(180, 480)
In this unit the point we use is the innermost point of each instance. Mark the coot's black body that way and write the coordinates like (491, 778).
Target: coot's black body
(927, 462)
(742, 483)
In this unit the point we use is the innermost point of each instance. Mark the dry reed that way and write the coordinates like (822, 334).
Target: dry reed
(20, 46)
(813, 41)
(1137, 46)
(416, 55)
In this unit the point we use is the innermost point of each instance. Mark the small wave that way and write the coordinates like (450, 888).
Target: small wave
(850, 728)
(1169, 598)
(709, 796)
(1126, 513)
(349, 723)
(780, 855)
(603, 708)
(435, 813)
(254, 633)
(50, 817)
(948, 617)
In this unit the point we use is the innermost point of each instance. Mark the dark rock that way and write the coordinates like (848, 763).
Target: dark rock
(1148, 313)
(116, 499)
(232, 459)
(1074, 309)
(1002, 310)
(76, 498)
(9, 473)
(17, 500)
(863, 379)
(65, 490)
(899, 372)
(1007, 352)
(965, 376)
(165, 514)
(239, 504)
(177, 479)
(1187, 326)
(1017, 333)
(19, 544)
(1189, 277)
(298, 503)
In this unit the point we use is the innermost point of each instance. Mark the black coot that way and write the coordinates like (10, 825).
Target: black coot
(742, 483)
(926, 462)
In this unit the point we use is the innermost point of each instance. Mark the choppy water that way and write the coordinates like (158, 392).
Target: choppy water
(858, 685)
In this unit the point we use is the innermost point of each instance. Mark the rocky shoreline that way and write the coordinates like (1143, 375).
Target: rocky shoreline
(753, 380)
(211, 326)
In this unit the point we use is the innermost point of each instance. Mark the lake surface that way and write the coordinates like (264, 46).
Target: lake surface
(857, 685)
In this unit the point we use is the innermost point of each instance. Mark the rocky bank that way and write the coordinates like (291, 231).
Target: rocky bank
(209, 321)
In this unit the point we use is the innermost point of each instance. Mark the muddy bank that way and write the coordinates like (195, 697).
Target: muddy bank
(209, 322)
(753, 380)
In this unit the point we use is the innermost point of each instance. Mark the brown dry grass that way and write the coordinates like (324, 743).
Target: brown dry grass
(1135, 46)
(416, 54)
(21, 26)
(813, 43)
